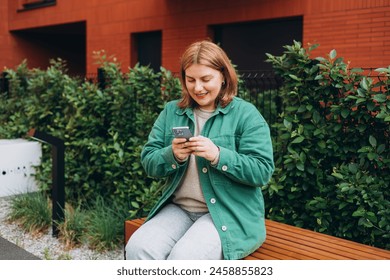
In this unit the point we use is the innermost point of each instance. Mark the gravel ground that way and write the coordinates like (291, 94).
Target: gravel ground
(46, 246)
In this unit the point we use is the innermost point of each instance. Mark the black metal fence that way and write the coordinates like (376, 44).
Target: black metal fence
(4, 82)
(258, 87)
(261, 88)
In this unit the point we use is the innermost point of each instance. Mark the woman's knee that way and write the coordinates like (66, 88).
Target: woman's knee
(135, 249)
(140, 247)
(148, 244)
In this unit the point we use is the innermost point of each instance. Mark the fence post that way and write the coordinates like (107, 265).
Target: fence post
(4, 85)
(101, 78)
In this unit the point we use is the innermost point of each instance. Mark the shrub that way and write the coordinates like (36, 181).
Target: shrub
(332, 149)
(104, 129)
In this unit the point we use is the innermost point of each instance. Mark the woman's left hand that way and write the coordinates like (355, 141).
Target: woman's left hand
(203, 147)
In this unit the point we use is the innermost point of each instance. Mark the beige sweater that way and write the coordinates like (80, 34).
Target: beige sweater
(189, 195)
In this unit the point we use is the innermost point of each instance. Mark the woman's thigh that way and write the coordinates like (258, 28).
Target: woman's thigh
(200, 242)
(156, 238)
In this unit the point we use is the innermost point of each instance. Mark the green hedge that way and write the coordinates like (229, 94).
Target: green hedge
(332, 148)
(103, 129)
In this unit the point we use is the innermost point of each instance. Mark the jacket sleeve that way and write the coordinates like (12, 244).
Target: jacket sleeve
(251, 163)
(157, 157)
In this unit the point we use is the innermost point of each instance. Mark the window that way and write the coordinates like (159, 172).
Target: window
(67, 41)
(146, 49)
(247, 43)
(34, 4)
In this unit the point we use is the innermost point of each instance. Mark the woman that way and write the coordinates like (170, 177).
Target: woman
(212, 206)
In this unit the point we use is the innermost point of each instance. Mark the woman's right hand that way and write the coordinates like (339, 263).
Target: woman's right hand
(180, 150)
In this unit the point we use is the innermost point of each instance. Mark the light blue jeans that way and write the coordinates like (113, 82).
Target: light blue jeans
(175, 234)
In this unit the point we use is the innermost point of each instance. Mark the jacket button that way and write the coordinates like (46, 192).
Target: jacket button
(204, 170)
(224, 228)
(174, 166)
(224, 168)
(213, 200)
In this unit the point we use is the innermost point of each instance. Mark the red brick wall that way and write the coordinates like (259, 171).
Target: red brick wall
(358, 29)
(5, 43)
(360, 35)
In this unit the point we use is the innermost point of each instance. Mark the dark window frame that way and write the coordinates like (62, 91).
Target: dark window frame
(138, 39)
(37, 4)
(224, 35)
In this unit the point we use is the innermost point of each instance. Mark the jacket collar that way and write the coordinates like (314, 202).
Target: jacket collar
(225, 110)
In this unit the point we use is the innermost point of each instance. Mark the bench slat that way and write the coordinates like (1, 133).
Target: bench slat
(267, 255)
(300, 251)
(280, 253)
(334, 245)
(286, 242)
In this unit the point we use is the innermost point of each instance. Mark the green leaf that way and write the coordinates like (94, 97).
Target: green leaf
(313, 47)
(360, 100)
(316, 117)
(342, 205)
(365, 223)
(320, 59)
(294, 77)
(372, 141)
(300, 166)
(371, 106)
(332, 54)
(381, 148)
(135, 204)
(364, 84)
(359, 212)
(298, 140)
(353, 168)
(344, 187)
(321, 144)
(345, 113)
(287, 124)
(274, 188)
(301, 109)
(372, 156)
(372, 217)
(380, 98)
(337, 175)
(383, 70)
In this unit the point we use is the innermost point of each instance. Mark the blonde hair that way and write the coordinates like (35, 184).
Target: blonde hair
(209, 54)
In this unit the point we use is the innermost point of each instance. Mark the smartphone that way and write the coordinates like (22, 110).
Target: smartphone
(182, 132)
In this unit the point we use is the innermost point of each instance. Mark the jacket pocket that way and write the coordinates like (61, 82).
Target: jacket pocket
(225, 140)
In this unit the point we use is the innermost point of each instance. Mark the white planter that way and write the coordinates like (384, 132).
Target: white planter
(17, 160)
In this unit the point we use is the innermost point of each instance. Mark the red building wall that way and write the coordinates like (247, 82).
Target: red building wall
(5, 45)
(358, 29)
(359, 33)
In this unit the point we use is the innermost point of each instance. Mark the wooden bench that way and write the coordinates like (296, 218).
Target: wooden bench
(285, 242)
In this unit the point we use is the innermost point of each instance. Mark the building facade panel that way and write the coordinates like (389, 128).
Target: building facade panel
(357, 36)
(357, 29)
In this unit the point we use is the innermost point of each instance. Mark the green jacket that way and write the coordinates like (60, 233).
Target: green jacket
(232, 188)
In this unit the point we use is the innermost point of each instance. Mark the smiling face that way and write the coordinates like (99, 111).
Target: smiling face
(203, 84)
(204, 66)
